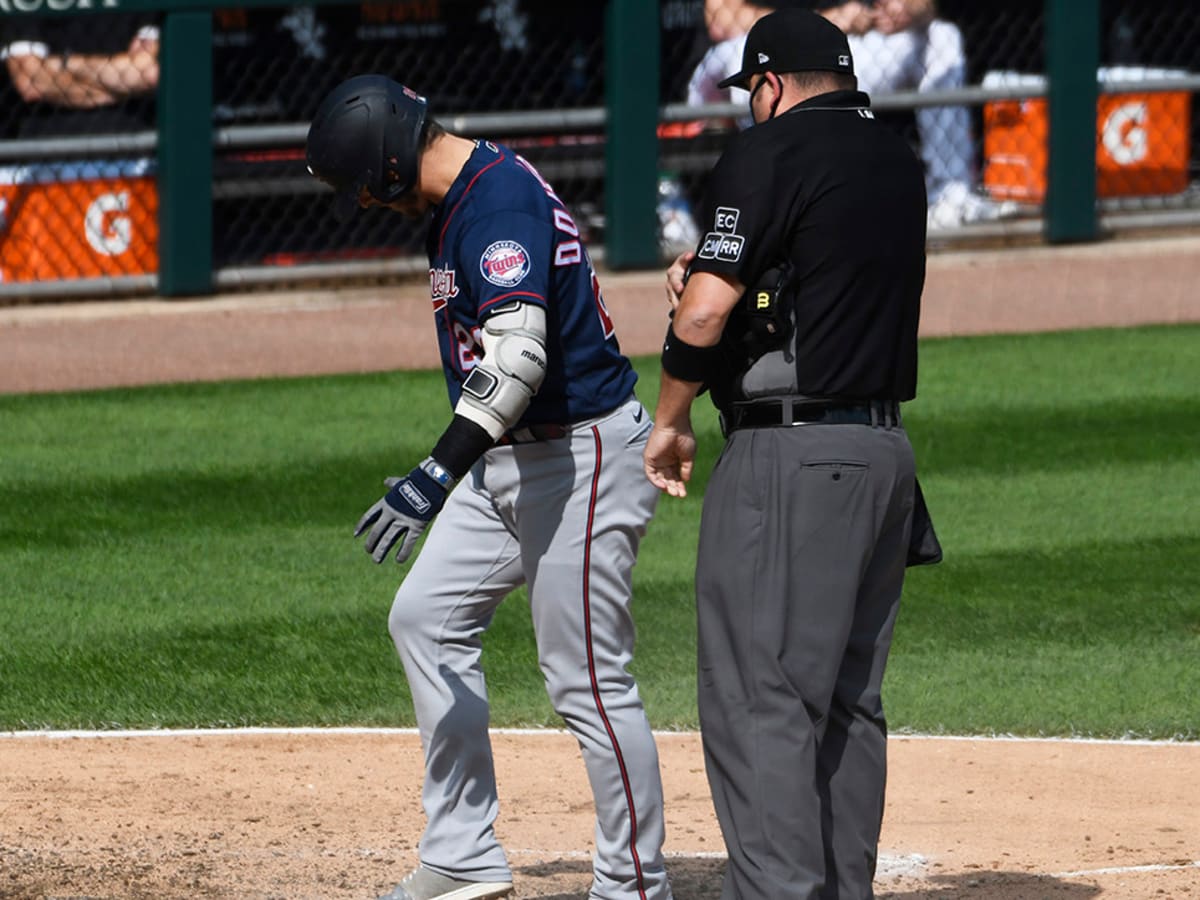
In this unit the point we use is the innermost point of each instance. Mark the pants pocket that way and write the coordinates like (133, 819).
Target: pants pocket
(834, 469)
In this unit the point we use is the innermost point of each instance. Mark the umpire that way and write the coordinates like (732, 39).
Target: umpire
(799, 313)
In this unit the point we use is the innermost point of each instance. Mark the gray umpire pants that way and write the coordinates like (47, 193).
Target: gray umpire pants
(803, 541)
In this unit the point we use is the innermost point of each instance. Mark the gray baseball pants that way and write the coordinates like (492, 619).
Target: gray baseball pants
(563, 517)
(803, 541)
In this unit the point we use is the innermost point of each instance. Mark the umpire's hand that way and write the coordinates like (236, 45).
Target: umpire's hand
(677, 275)
(402, 515)
(668, 458)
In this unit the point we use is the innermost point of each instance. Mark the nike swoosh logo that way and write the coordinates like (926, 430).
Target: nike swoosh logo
(637, 416)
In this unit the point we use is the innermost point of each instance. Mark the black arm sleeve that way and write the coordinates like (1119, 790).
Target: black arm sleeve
(460, 445)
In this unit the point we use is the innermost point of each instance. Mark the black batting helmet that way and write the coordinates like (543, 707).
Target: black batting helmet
(367, 134)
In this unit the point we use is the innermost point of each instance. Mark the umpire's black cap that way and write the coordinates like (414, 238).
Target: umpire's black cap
(793, 40)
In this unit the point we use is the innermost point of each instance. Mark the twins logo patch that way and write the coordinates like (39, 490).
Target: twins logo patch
(504, 263)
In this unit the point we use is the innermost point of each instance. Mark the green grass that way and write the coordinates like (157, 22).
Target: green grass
(182, 555)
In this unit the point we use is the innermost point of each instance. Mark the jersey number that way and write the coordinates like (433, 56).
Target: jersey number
(570, 252)
(468, 346)
(601, 310)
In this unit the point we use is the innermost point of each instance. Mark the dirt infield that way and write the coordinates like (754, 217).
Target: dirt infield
(336, 814)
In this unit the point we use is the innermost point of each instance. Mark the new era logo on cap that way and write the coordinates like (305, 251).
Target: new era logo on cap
(792, 40)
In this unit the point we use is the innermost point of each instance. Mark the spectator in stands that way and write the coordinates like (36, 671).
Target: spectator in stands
(897, 45)
(910, 48)
(85, 74)
(725, 19)
(728, 21)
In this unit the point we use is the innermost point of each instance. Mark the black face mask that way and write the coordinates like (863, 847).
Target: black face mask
(773, 105)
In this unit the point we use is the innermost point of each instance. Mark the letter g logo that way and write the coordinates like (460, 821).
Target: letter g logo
(1125, 136)
(107, 225)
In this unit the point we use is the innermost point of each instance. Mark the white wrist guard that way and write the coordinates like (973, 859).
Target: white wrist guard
(499, 389)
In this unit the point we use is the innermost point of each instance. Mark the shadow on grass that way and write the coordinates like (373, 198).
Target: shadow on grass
(1085, 592)
(1142, 430)
(330, 491)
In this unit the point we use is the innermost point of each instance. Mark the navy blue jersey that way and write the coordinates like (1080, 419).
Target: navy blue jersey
(502, 235)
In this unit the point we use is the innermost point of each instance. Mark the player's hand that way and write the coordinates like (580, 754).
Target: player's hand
(677, 275)
(668, 458)
(402, 515)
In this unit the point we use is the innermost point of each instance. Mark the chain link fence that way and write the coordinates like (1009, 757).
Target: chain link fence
(962, 79)
(985, 154)
(68, 78)
(465, 56)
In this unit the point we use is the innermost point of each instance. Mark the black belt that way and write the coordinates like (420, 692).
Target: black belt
(783, 412)
(529, 434)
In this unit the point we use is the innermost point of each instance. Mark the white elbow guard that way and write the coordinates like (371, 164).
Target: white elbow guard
(499, 389)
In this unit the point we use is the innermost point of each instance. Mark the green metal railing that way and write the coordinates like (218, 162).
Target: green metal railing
(631, 150)
(185, 156)
(1072, 56)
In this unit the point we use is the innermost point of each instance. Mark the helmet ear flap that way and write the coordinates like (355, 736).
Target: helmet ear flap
(403, 137)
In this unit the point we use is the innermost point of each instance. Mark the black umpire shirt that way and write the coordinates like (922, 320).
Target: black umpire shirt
(842, 197)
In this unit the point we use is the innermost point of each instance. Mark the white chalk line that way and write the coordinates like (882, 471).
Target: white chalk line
(889, 866)
(302, 731)
(892, 865)
(1127, 870)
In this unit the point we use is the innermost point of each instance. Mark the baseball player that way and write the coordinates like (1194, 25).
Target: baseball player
(536, 481)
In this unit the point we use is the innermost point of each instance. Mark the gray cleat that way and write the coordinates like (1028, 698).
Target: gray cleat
(425, 884)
